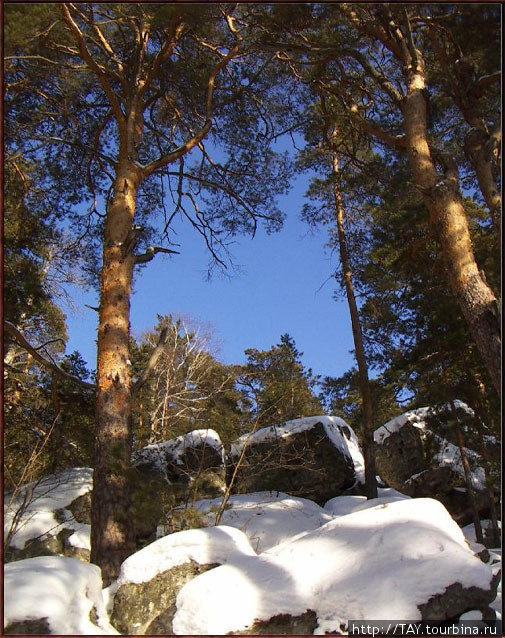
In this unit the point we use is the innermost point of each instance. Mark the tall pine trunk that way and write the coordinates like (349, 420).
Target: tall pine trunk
(112, 537)
(364, 384)
(448, 218)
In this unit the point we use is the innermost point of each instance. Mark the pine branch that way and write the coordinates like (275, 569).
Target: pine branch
(151, 252)
(97, 69)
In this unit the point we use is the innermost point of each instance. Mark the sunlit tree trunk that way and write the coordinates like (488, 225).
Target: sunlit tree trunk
(448, 218)
(112, 538)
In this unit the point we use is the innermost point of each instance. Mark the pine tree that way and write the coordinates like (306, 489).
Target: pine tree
(277, 384)
(122, 101)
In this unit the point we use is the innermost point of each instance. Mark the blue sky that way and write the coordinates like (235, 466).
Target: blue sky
(281, 284)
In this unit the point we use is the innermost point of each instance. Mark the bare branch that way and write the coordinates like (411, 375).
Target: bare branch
(24, 343)
(487, 80)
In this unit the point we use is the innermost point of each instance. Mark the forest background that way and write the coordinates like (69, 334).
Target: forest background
(125, 121)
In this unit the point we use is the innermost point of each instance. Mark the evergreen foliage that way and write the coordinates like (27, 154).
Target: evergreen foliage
(125, 121)
(278, 385)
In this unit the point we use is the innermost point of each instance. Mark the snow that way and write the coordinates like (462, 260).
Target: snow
(450, 456)
(81, 536)
(267, 518)
(414, 417)
(62, 590)
(173, 450)
(356, 455)
(343, 505)
(44, 498)
(380, 563)
(204, 546)
(389, 491)
(495, 561)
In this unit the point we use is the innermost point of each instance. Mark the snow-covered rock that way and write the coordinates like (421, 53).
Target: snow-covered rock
(182, 458)
(267, 518)
(143, 597)
(39, 519)
(394, 561)
(342, 505)
(170, 473)
(313, 457)
(417, 454)
(56, 595)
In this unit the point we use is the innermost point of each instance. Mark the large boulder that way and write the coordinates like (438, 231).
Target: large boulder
(417, 454)
(54, 595)
(144, 594)
(405, 559)
(313, 457)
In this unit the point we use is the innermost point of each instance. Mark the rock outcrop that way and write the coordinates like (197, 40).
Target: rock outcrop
(186, 459)
(314, 458)
(417, 454)
(39, 521)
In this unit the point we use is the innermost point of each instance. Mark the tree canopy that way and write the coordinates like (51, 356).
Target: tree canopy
(124, 121)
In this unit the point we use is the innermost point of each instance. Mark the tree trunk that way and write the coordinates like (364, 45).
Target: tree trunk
(468, 478)
(112, 538)
(493, 539)
(478, 142)
(364, 385)
(448, 218)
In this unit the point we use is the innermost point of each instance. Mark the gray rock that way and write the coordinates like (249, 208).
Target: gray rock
(283, 624)
(456, 600)
(39, 627)
(180, 460)
(71, 551)
(48, 546)
(305, 464)
(149, 608)
(81, 508)
(178, 472)
(457, 504)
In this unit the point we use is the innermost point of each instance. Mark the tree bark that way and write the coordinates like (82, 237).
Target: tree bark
(448, 218)
(112, 537)
(364, 384)
(476, 149)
